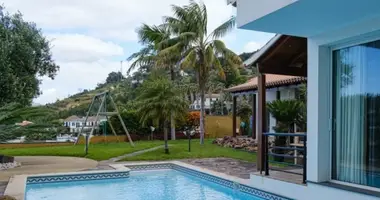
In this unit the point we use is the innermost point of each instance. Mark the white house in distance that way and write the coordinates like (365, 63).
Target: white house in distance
(279, 87)
(74, 123)
(209, 100)
(343, 63)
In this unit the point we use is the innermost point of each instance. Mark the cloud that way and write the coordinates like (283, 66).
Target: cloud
(76, 76)
(112, 19)
(77, 47)
(252, 46)
(90, 37)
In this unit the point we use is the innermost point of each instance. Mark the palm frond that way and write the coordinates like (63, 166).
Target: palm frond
(219, 46)
(151, 34)
(219, 68)
(233, 57)
(190, 59)
(160, 98)
(225, 28)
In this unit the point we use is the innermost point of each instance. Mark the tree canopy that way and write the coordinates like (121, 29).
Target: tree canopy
(114, 77)
(199, 49)
(25, 57)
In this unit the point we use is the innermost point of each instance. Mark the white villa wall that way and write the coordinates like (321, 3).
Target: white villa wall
(271, 94)
(319, 117)
(364, 28)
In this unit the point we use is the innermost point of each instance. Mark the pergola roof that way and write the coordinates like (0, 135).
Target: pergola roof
(283, 54)
(272, 80)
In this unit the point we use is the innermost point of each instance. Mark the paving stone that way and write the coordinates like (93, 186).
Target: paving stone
(241, 169)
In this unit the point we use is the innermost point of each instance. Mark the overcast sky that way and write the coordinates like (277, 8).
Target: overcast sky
(90, 37)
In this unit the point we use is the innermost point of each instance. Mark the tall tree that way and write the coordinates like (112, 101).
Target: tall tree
(24, 57)
(150, 37)
(199, 49)
(114, 77)
(159, 99)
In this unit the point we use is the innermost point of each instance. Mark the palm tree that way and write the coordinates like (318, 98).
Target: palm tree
(150, 37)
(199, 49)
(159, 99)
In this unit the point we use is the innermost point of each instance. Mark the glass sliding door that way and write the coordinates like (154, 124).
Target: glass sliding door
(356, 113)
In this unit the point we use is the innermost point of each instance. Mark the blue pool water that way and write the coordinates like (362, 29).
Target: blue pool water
(146, 185)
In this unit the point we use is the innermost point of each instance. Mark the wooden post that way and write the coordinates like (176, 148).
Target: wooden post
(96, 120)
(122, 122)
(262, 119)
(85, 121)
(254, 116)
(234, 116)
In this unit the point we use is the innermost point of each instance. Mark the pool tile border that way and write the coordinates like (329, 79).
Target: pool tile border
(77, 177)
(234, 184)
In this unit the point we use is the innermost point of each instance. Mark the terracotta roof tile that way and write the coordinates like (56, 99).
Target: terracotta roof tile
(272, 80)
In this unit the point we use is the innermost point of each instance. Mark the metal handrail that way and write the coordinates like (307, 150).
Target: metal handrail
(267, 153)
(285, 134)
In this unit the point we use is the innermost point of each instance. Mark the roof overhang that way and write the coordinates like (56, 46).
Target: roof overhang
(283, 54)
(272, 81)
(304, 18)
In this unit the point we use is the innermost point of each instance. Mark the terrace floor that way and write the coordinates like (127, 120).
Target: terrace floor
(47, 164)
(283, 176)
(233, 167)
(244, 169)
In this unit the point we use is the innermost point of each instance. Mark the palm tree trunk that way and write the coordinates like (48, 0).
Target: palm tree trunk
(202, 117)
(172, 126)
(172, 120)
(222, 102)
(166, 136)
(209, 96)
(191, 97)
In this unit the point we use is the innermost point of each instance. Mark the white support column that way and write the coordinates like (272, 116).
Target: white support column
(318, 113)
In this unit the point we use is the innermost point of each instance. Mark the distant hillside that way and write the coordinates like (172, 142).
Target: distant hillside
(77, 100)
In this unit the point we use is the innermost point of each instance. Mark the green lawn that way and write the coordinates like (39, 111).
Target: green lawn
(96, 151)
(179, 150)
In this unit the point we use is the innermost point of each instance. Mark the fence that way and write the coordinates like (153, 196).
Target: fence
(295, 147)
(219, 126)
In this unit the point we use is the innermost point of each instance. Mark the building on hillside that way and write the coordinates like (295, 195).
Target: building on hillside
(74, 123)
(336, 44)
(209, 100)
(24, 123)
(277, 87)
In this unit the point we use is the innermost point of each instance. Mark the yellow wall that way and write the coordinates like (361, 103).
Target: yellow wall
(102, 139)
(219, 126)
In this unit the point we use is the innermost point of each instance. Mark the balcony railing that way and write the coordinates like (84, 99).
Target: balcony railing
(296, 148)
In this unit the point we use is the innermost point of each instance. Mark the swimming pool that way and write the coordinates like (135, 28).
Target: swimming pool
(143, 182)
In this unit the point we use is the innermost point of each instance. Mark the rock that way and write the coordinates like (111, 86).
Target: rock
(248, 144)
(4, 166)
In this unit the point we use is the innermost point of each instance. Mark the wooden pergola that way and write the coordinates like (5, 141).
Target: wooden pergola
(282, 61)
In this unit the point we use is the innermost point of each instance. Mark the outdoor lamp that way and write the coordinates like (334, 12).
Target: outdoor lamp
(189, 132)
